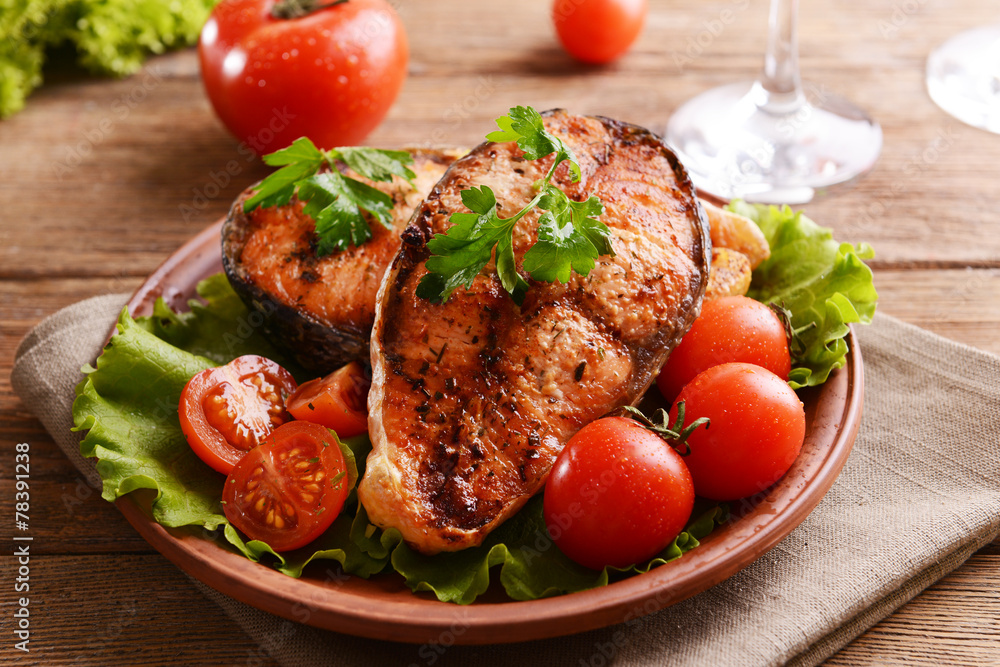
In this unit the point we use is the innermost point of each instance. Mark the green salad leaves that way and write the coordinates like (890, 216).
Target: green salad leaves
(110, 36)
(334, 201)
(822, 283)
(128, 406)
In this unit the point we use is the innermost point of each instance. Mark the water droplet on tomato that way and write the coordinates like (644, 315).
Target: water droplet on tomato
(342, 80)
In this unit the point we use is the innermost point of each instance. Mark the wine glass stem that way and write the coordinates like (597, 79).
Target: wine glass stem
(780, 80)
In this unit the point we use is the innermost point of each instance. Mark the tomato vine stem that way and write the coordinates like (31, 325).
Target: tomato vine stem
(675, 434)
(294, 9)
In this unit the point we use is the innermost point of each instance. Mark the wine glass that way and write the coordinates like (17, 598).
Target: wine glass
(963, 77)
(774, 140)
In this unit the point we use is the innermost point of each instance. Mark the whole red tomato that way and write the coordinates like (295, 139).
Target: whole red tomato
(598, 31)
(732, 328)
(757, 428)
(330, 74)
(617, 495)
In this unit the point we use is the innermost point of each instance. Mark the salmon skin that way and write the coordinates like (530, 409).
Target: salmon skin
(320, 310)
(473, 399)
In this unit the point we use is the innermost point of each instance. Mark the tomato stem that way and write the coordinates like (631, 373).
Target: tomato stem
(675, 434)
(794, 336)
(294, 9)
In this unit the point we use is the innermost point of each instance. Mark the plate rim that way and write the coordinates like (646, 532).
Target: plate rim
(416, 619)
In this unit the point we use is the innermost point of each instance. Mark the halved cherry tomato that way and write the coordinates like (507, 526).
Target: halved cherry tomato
(338, 401)
(288, 490)
(229, 410)
(617, 494)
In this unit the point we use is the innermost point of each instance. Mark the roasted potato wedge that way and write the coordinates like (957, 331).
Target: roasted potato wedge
(735, 232)
(729, 274)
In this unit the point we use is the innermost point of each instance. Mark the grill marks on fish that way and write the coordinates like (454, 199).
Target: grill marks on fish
(515, 383)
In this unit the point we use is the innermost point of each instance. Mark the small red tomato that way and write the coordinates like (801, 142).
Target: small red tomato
(617, 495)
(274, 73)
(288, 491)
(598, 31)
(227, 411)
(731, 328)
(757, 428)
(338, 401)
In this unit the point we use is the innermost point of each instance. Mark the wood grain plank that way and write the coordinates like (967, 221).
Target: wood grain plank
(80, 614)
(956, 622)
(117, 209)
(100, 180)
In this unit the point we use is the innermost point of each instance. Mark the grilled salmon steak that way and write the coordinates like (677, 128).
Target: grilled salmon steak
(473, 399)
(319, 309)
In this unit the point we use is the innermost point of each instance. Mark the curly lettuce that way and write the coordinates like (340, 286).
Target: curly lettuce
(128, 406)
(112, 37)
(823, 284)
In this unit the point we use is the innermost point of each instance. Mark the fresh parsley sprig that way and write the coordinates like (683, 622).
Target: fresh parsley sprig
(570, 237)
(334, 201)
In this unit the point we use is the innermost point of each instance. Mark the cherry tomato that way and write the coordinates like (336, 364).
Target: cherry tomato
(617, 495)
(229, 410)
(756, 430)
(338, 401)
(331, 74)
(288, 491)
(598, 31)
(731, 328)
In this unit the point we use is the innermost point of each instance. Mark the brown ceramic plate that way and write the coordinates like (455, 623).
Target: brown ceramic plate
(383, 608)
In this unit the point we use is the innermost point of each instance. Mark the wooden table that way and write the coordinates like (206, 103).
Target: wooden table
(100, 180)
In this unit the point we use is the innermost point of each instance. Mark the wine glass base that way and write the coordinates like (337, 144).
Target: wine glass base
(736, 141)
(963, 77)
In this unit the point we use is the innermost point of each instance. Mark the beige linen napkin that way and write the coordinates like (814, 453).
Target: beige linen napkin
(919, 494)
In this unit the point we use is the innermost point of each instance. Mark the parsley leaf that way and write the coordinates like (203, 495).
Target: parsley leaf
(461, 254)
(334, 201)
(570, 237)
(524, 125)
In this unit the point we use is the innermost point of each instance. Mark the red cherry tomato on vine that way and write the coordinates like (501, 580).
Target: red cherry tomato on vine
(756, 432)
(288, 491)
(617, 495)
(227, 411)
(330, 74)
(338, 401)
(731, 328)
(598, 31)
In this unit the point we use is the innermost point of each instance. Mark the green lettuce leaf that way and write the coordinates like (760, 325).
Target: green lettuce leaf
(110, 37)
(128, 406)
(823, 283)
(532, 566)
